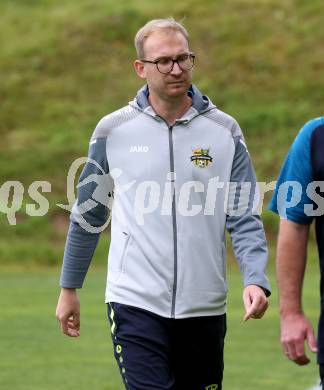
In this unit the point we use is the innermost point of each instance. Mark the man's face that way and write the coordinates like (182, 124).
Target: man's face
(160, 45)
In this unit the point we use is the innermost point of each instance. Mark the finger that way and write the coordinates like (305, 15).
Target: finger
(247, 301)
(67, 328)
(64, 325)
(248, 315)
(252, 310)
(296, 353)
(285, 348)
(76, 320)
(73, 332)
(311, 340)
(260, 310)
(300, 349)
(258, 315)
(291, 351)
(71, 325)
(302, 360)
(263, 306)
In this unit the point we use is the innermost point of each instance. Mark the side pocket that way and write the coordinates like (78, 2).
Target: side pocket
(124, 253)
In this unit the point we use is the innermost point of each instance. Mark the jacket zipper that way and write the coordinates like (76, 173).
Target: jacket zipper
(174, 225)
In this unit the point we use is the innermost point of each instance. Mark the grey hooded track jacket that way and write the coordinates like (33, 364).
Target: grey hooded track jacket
(170, 192)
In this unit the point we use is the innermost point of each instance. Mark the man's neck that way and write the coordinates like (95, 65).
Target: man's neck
(172, 109)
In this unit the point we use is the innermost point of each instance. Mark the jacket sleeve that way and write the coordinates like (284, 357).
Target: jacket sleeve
(88, 217)
(245, 228)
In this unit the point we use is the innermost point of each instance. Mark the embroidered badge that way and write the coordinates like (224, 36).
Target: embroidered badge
(201, 157)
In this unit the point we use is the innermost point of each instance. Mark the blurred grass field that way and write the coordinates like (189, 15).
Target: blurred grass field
(36, 356)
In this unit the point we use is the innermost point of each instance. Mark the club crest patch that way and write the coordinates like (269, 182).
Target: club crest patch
(201, 158)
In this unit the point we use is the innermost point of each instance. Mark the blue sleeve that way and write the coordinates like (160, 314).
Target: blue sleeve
(88, 216)
(290, 197)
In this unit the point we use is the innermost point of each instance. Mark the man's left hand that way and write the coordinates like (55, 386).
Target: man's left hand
(255, 302)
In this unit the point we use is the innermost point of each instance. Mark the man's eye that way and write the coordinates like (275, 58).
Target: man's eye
(164, 61)
(184, 57)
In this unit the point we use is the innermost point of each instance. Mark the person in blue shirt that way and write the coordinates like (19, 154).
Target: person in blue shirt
(298, 199)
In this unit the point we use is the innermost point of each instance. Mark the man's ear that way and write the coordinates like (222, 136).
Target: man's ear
(140, 69)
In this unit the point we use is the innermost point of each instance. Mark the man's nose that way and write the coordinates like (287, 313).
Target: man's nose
(176, 69)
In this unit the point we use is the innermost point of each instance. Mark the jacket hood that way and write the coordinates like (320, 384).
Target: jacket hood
(200, 102)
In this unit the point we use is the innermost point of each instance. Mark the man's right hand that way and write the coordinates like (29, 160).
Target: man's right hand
(68, 312)
(295, 329)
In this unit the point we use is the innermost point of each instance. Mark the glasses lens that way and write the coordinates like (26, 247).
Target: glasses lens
(165, 65)
(186, 61)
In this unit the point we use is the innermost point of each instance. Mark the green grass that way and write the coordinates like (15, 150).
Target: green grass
(36, 356)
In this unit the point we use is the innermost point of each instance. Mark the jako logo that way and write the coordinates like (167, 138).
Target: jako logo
(211, 387)
(139, 149)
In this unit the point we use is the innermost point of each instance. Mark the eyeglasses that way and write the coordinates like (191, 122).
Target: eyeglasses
(165, 65)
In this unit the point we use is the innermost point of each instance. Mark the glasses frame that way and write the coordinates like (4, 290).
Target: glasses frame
(156, 62)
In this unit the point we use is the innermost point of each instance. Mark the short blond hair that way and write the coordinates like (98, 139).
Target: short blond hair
(156, 25)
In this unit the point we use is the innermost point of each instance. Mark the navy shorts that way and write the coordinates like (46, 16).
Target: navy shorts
(158, 353)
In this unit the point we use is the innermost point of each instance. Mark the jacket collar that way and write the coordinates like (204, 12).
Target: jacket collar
(200, 103)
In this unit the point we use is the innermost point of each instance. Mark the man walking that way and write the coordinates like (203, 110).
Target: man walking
(166, 159)
(298, 200)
